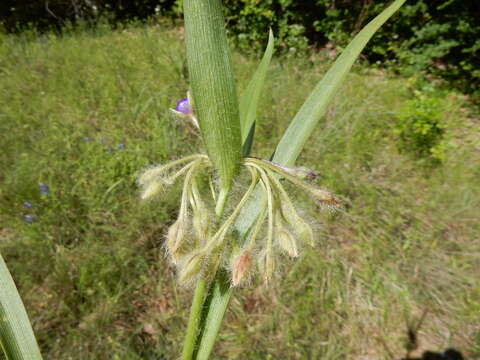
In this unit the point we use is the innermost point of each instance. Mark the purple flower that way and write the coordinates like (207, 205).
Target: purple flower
(121, 146)
(29, 218)
(109, 151)
(44, 189)
(27, 204)
(183, 106)
(184, 110)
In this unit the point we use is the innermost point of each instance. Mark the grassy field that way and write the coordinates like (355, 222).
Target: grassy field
(85, 112)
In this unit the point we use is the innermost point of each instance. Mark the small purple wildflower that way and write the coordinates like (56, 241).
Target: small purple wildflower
(27, 204)
(184, 110)
(44, 189)
(109, 151)
(183, 106)
(29, 218)
(120, 146)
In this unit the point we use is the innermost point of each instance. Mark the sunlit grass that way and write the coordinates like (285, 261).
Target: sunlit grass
(91, 267)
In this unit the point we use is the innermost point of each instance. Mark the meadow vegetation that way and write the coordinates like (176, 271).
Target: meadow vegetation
(85, 112)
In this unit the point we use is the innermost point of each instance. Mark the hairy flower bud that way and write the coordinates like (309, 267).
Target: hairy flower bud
(149, 175)
(284, 237)
(241, 266)
(190, 266)
(326, 198)
(300, 172)
(176, 235)
(201, 220)
(296, 223)
(305, 232)
(306, 173)
(151, 189)
(287, 242)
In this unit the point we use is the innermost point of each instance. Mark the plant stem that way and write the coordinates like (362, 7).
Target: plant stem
(219, 296)
(221, 201)
(194, 319)
(191, 337)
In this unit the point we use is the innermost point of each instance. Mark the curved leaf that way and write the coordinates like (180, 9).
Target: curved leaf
(251, 96)
(316, 104)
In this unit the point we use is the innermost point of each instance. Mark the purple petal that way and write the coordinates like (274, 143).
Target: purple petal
(183, 106)
(29, 218)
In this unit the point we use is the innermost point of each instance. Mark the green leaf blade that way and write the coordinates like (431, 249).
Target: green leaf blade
(213, 86)
(16, 334)
(220, 294)
(251, 96)
(315, 106)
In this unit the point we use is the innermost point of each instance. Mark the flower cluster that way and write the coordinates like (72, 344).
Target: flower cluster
(197, 245)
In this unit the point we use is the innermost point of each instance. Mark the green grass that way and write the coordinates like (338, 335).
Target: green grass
(92, 271)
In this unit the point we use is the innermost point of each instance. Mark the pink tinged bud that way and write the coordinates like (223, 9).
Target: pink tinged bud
(307, 174)
(241, 265)
(326, 198)
(299, 172)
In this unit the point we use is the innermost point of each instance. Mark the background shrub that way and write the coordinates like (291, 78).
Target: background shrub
(439, 37)
(419, 125)
(435, 37)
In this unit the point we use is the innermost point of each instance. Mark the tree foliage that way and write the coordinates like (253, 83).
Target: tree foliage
(440, 37)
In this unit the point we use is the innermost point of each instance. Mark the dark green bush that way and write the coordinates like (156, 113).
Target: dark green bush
(432, 37)
(440, 38)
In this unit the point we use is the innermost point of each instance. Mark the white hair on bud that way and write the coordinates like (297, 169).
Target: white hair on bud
(149, 174)
(151, 190)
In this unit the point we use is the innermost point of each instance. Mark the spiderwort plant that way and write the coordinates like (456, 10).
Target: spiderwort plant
(220, 250)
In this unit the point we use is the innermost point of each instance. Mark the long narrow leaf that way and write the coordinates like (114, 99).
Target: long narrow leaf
(16, 334)
(286, 153)
(251, 96)
(213, 87)
(315, 106)
(216, 304)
